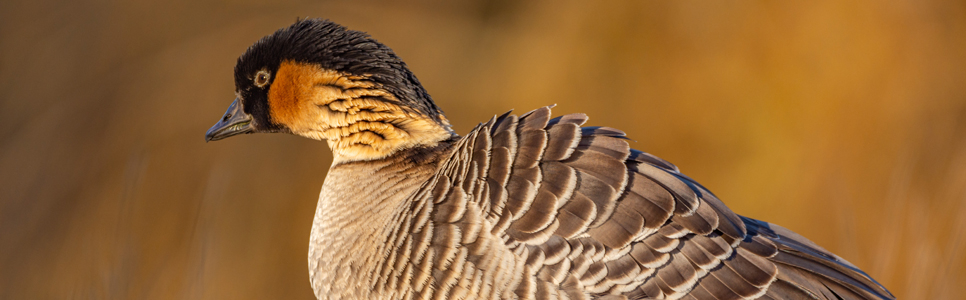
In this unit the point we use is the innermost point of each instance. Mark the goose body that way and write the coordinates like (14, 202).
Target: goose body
(527, 206)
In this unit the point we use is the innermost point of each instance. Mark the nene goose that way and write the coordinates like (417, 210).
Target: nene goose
(521, 207)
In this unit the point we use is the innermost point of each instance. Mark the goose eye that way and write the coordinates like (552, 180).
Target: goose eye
(261, 78)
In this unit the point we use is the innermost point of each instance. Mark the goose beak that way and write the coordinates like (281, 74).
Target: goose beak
(234, 122)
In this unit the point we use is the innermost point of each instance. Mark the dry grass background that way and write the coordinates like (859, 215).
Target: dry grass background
(842, 120)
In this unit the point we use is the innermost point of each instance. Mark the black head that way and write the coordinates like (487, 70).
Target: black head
(309, 54)
(333, 47)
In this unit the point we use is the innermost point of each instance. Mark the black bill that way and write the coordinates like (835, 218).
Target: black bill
(235, 122)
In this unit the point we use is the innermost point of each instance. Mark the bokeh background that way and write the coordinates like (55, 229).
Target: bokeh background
(842, 120)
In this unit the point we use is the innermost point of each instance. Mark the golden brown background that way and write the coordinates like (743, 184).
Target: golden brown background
(842, 120)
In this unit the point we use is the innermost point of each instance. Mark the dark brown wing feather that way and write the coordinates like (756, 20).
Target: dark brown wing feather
(573, 213)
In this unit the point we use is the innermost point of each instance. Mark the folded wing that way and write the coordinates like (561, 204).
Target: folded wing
(571, 212)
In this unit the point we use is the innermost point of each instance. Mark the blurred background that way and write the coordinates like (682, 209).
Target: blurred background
(842, 120)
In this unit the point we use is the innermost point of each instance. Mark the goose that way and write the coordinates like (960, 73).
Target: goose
(526, 206)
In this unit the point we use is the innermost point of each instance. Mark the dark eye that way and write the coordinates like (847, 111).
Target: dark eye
(261, 78)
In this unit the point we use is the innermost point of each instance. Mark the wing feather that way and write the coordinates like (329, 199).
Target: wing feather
(543, 208)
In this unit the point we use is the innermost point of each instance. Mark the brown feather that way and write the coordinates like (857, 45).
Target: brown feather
(729, 222)
(563, 140)
(559, 180)
(647, 257)
(613, 147)
(619, 230)
(521, 191)
(679, 274)
(717, 289)
(661, 243)
(659, 203)
(531, 147)
(644, 157)
(714, 245)
(576, 215)
(702, 221)
(622, 270)
(535, 119)
(576, 119)
(760, 246)
(541, 212)
(698, 256)
(603, 195)
(686, 201)
(602, 131)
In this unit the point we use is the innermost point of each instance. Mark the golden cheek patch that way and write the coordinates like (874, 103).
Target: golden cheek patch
(281, 95)
(298, 86)
(359, 120)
